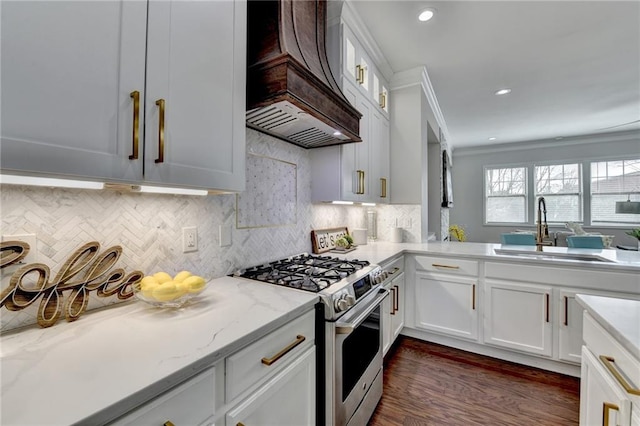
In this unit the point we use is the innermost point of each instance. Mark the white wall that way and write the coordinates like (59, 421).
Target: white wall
(468, 179)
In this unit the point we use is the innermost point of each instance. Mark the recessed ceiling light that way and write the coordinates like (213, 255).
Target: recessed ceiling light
(503, 91)
(492, 138)
(426, 14)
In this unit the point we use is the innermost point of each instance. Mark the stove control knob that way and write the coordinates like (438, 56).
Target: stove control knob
(350, 300)
(341, 304)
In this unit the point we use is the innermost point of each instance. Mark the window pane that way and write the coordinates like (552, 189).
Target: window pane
(611, 182)
(506, 209)
(560, 185)
(563, 208)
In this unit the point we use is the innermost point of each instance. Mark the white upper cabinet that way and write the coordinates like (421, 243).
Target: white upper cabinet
(126, 91)
(357, 172)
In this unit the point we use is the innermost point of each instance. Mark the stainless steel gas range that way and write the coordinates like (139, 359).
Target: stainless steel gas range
(349, 329)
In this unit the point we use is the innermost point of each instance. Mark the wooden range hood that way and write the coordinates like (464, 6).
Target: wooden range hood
(291, 92)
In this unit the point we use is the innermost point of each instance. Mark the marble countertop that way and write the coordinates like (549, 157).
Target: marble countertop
(111, 360)
(620, 317)
(379, 252)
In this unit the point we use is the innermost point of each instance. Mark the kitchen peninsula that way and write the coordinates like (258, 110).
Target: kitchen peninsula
(114, 360)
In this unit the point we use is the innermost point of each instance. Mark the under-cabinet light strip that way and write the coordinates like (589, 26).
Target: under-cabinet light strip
(49, 182)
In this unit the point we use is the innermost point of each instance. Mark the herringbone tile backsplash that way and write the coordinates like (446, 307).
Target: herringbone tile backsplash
(149, 226)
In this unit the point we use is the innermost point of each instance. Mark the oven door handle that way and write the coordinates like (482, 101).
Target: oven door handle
(346, 327)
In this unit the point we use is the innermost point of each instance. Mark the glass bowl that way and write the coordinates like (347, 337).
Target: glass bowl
(169, 294)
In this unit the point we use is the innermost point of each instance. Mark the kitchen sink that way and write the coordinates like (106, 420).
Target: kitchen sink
(552, 255)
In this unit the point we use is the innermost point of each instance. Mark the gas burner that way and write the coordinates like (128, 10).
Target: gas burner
(304, 271)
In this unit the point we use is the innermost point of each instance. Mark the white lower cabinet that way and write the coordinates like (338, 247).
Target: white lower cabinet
(271, 381)
(447, 304)
(286, 399)
(393, 308)
(610, 379)
(601, 402)
(191, 403)
(518, 316)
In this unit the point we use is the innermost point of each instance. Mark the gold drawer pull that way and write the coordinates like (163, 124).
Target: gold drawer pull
(168, 423)
(161, 105)
(135, 95)
(299, 339)
(239, 424)
(608, 362)
(606, 406)
(438, 265)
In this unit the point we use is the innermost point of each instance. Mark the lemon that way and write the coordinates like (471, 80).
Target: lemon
(148, 281)
(162, 277)
(181, 276)
(195, 283)
(166, 291)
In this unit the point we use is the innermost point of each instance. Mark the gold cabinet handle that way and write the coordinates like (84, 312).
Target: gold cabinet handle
(168, 423)
(606, 406)
(161, 105)
(383, 188)
(135, 95)
(239, 424)
(383, 100)
(473, 297)
(299, 339)
(396, 299)
(360, 182)
(438, 265)
(566, 311)
(546, 302)
(608, 362)
(359, 74)
(362, 191)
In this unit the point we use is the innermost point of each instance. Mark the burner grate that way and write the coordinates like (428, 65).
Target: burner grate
(305, 271)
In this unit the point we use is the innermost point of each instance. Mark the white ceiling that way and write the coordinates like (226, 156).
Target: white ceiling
(573, 66)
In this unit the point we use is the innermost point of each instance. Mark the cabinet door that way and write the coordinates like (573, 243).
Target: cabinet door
(397, 316)
(380, 158)
(446, 304)
(191, 403)
(387, 319)
(357, 67)
(518, 316)
(196, 64)
(355, 156)
(602, 401)
(570, 322)
(287, 399)
(68, 71)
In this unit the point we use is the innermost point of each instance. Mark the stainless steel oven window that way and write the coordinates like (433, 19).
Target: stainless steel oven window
(358, 351)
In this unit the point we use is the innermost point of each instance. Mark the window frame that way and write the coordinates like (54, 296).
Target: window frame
(485, 197)
(531, 196)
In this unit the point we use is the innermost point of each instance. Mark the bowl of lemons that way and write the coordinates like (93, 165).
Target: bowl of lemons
(163, 290)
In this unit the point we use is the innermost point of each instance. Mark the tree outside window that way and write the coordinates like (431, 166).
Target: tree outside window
(561, 187)
(506, 195)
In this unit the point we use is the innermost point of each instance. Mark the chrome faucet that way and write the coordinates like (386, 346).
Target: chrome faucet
(542, 230)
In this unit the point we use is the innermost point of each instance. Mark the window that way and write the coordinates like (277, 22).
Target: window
(506, 195)
(561, 187)
(613, 181)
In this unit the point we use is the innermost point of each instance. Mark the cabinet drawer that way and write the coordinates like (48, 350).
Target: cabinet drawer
(601, 343)
(247, 366)
(191, 403)
(447, 265)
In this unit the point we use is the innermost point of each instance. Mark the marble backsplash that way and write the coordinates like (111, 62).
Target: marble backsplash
(149, 226)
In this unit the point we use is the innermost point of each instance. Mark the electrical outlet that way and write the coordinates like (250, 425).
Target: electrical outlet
(407, 223)
(189, 239)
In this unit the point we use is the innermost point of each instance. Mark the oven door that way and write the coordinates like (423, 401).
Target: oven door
(357, 342)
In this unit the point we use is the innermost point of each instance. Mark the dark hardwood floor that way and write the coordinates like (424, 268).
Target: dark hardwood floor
(430, 384)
